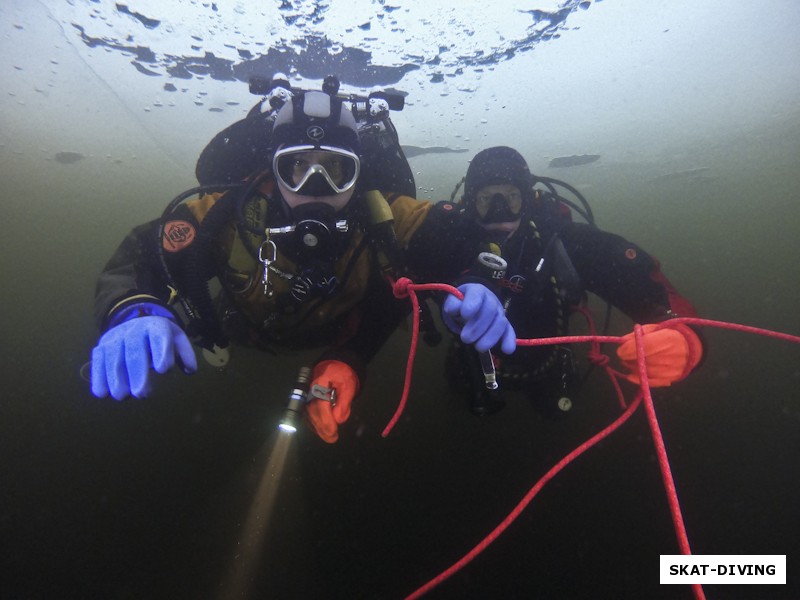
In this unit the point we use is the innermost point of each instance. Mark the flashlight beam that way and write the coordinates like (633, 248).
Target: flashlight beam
(241, 573)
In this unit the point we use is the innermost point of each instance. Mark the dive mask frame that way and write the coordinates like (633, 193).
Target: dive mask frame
(315, 168)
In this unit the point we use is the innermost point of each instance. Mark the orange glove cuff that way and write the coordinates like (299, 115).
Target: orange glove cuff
(671, 352)
(325, 417)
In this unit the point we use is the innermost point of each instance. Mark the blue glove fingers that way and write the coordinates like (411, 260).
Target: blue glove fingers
(476, 301)
(137, 348)
(452, 310)
(458, 311)
(476, 329)
(160, 336)
(484, 321)
(186, 356)
(110, 371)
(494, 326)
(99, 382)
(509, 343)
(122, 359)
(167, 341)
(480, 310)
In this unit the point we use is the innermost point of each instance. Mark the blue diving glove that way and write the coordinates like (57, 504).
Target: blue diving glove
(122, 359)
(479, 319)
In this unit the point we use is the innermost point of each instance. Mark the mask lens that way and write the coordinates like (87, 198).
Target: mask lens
(514, 202)
(336, 169)
(501, 203)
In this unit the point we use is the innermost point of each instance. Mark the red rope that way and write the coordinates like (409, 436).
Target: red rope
(404, 287)
(557, 468)
(661, 453)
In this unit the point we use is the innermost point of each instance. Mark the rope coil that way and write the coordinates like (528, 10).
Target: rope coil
(404, 287)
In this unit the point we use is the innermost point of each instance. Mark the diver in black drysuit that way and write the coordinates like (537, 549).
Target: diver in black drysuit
(551, 263)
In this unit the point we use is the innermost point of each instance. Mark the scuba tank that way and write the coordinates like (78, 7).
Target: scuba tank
(244, 147)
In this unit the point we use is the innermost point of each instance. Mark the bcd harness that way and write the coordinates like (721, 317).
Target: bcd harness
(270, 283)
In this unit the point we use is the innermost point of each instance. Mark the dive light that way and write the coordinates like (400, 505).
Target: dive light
(493, 267)
(298, 398)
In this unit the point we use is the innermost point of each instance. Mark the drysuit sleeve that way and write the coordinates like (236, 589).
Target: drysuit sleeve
(130, 276)
(135, 272)
(623, 274)
(409, 215)
(443, 245)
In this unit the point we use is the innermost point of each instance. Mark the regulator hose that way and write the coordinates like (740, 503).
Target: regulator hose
(199, 271)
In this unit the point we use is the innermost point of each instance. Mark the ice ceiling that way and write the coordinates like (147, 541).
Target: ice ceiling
(367, 43)
(621, 79)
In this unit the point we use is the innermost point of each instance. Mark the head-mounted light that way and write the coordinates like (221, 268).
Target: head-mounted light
(316, 170)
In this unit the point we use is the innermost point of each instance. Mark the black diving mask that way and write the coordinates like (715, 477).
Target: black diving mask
(498, 207)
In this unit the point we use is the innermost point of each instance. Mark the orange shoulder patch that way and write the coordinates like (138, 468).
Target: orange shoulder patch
(177, 235)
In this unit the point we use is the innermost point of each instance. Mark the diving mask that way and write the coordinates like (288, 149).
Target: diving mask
(316, 171)
(498, 206)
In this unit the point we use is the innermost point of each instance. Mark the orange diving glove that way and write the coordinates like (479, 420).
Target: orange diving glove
(671, 354)
(325, 415)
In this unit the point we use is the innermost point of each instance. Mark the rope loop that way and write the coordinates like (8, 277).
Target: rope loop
(598, 358)
(400, 287)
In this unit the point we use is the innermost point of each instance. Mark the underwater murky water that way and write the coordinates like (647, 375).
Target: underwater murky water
(146, 499)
